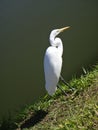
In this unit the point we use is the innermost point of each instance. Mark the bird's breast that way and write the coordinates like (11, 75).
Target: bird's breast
(53, 61)
(53, 52)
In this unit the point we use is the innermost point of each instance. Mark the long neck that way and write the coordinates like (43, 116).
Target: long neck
(56, 42)
(52, 39)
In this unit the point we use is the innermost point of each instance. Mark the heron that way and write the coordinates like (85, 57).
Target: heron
(53, 62)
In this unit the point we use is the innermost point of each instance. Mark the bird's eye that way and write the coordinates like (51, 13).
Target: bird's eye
(57, 31)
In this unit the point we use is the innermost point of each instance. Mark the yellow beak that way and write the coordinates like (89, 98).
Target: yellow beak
(63, 29)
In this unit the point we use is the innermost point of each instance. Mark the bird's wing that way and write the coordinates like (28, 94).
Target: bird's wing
(52, 69)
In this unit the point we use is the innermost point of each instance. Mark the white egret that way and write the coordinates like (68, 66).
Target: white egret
(53, 61)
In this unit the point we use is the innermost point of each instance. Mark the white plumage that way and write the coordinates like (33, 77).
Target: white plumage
(53, 61)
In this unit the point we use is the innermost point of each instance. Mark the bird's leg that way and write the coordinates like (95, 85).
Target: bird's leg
(62, 90)
(62, 79)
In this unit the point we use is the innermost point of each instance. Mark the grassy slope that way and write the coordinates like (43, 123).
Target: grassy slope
(77, 111)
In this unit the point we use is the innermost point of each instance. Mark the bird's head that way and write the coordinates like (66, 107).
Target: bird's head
(55, 32)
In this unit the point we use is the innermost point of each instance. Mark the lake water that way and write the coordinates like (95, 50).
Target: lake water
(24, 32)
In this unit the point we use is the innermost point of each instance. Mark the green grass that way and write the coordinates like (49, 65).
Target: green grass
(77, 111)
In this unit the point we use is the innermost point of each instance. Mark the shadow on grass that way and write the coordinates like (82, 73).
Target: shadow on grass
(37, 117)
